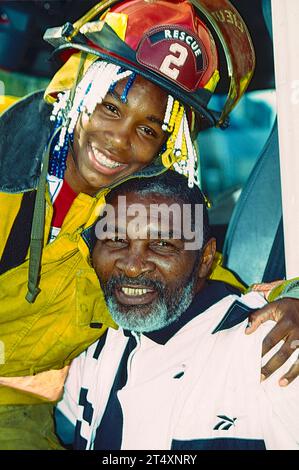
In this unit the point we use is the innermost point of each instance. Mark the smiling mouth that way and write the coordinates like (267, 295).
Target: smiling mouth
(139, 295)
(103, 163)
(133, 291)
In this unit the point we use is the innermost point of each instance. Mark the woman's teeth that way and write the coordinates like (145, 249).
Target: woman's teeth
(134, 291)
(103, 160)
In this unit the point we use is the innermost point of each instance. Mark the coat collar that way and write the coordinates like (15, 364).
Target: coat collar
(213, 292)
(24, 129)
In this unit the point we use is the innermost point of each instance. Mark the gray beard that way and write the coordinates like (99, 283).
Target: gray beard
(163, 312)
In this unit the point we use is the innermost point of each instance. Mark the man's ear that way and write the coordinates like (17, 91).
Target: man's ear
(207, 258)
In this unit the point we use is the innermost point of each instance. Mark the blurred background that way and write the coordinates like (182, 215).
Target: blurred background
(227, 157)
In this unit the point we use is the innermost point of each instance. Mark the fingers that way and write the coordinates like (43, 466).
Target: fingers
(281, 356)
(277, 361)
(286, 313)
(260, 316)
(265, 288)
(278, 332)
(292, 373)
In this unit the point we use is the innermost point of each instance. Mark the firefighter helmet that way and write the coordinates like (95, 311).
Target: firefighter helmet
(171, 43)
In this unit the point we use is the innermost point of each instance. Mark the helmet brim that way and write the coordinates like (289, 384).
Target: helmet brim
(108, 46)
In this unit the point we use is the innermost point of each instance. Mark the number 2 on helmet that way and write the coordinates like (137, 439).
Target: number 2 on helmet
(171, 59)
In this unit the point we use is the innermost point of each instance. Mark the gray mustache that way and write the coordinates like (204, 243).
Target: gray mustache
(117, 281)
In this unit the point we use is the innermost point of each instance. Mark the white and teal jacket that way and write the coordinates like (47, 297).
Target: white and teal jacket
(190, 386)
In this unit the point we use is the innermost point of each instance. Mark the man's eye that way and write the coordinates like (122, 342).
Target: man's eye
(116, 242)
(163, 243)
(163, 246)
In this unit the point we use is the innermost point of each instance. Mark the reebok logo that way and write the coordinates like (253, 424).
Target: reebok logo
(225, 423)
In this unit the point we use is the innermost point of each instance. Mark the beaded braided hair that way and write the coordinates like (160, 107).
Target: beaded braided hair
(178, 151)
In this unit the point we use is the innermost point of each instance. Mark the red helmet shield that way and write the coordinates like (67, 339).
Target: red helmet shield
(171, 40)
(176, 54)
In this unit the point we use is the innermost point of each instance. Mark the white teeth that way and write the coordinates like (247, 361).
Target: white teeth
(134, 292)
(103, 160)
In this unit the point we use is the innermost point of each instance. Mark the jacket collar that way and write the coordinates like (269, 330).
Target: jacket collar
(25, 129)
(212, 293)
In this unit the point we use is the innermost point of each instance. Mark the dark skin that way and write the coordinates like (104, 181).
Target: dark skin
(155, 259)
(130, 134)
(119, 138)
(285, 313)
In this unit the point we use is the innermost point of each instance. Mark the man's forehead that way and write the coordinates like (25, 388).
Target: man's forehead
(138, 231)
(152, 216)
(150, 219)
(147, 198)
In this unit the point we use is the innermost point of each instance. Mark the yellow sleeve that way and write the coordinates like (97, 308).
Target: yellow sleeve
(6, 102)
(288, 288)
(219, 273)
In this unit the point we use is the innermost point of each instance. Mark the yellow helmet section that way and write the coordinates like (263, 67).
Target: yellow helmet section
(65, 78)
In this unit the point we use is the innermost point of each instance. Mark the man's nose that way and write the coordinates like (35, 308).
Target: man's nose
(135, 263)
